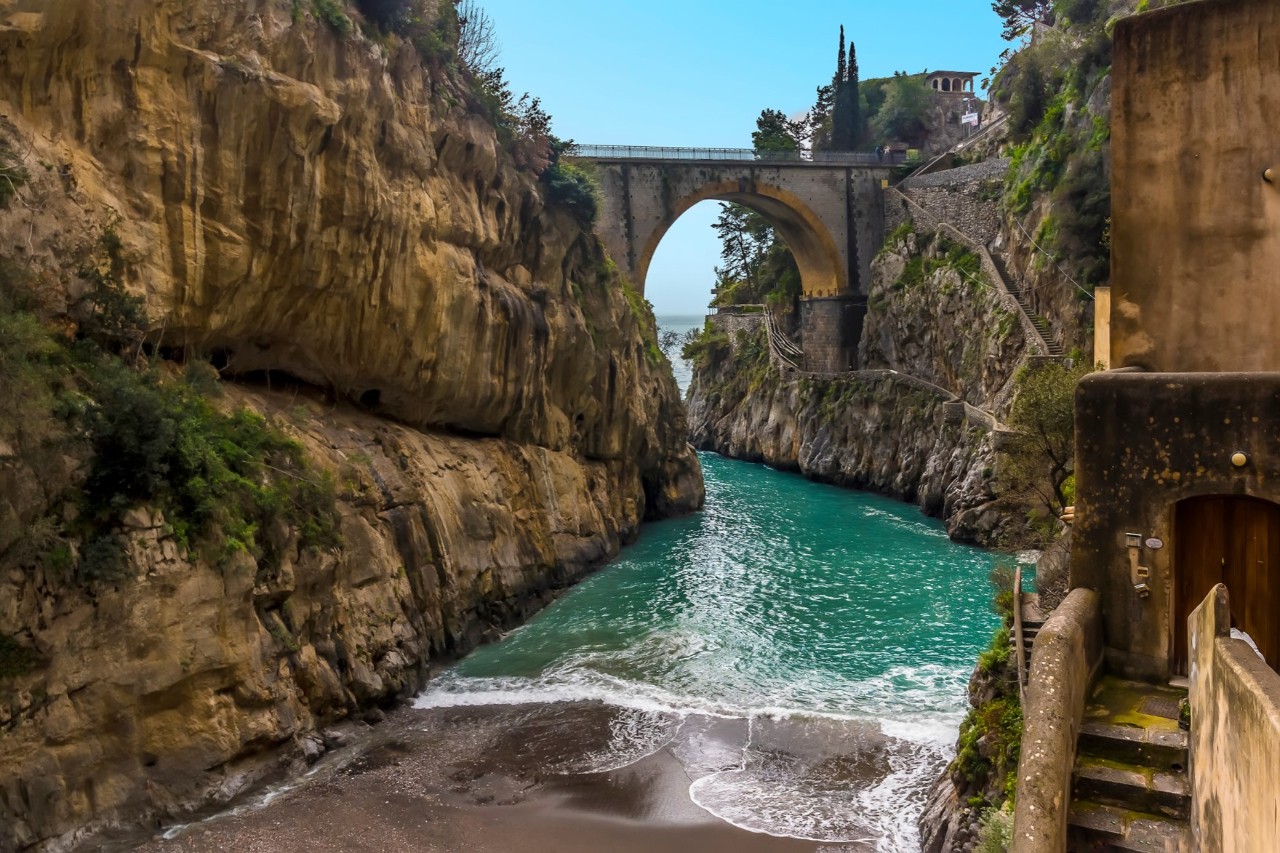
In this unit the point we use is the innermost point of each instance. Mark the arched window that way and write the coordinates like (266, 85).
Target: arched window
(946, 84)
(957, 85)
(935, 84)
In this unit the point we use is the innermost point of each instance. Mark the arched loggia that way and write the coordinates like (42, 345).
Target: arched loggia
(822, 271)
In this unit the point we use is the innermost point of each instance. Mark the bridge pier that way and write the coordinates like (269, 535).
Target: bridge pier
(830, 328)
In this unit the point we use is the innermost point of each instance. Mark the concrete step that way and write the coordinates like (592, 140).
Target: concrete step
(1132, 787)
(1154, 748)
(1095, 826)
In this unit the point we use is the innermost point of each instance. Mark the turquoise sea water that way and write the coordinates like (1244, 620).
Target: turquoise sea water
(681, 325)
(809, 617)
(783, 600)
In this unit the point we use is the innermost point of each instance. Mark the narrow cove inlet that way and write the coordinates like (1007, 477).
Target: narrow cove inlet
(801, 650)
(784, 671)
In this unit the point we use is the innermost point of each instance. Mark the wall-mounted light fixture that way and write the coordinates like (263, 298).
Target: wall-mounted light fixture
(1269, 176)
(1239, 459)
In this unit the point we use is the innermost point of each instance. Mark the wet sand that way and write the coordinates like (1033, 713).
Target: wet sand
(502, 779)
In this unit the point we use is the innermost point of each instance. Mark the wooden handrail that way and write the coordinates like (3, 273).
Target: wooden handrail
(1019, 644)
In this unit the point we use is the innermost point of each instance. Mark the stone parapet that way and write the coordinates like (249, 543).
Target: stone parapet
(1064, 661)
(1235, 735)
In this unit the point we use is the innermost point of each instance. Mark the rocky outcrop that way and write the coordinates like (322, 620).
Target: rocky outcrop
(325, 214)
(936, 336)
(944, 322)
(180, 685)
(865, 431)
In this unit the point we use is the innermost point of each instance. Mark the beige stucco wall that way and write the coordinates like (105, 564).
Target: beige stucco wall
(1235, 737)
(1195, 228)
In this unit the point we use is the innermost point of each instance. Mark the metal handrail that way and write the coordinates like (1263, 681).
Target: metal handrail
(738, 155)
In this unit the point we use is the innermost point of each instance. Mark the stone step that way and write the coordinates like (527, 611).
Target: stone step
(1096, 826)
(1132, 787)
(1155, 748)
(1028, 633)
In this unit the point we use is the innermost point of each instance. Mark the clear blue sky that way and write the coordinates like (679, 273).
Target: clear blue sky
(698, 72)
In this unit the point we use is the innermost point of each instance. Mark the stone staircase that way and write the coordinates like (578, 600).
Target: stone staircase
(1018, 291)
(1130, 789)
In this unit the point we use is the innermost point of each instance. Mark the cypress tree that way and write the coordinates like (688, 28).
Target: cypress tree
(841, 68)
(846, 114)
(855, 97)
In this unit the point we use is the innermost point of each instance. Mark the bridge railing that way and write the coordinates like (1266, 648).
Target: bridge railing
(738, 155)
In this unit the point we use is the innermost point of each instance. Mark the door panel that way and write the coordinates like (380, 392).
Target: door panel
(1235, 541)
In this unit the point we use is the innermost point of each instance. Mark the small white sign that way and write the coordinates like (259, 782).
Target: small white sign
(1155, 544)
(969, 118)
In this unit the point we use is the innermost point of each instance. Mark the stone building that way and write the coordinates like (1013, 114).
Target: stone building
(1176, 538)
(951, 82)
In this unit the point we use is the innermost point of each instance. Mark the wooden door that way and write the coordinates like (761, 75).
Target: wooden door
(1234, 541)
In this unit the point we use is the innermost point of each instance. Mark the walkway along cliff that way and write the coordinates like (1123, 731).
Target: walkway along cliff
(336, 225)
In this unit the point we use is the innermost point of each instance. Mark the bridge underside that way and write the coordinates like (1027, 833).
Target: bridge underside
(830, 216)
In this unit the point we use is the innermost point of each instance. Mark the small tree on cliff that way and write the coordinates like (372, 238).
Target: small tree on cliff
(478, 46)
(1020, 16)
(902, 114)
(1039, 462)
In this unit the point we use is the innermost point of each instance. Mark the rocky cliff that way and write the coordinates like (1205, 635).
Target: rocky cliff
(322, 216)
(936, 337)
(872, 430)
(935, 315)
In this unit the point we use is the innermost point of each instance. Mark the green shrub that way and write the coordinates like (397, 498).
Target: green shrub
(224, 480)
(108, 315)
(15, 659)
(332, 13)
(12, 175)
(709, 348)
(574, 188)
(995, 833)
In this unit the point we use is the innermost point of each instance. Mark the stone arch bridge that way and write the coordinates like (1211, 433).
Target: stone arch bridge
(828, 207)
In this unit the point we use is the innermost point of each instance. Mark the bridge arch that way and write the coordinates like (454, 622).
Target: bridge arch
(822, 268)
(828, 207)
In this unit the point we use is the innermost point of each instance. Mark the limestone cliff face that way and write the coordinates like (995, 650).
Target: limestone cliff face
(302, 203)
(931, 318)
(179, 686)
(948, 326)
(303, 206)
(868, 431)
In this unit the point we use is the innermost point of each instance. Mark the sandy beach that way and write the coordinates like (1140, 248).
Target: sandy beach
(501, 779)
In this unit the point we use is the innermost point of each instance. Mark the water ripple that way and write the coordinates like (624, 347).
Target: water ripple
(783, 600)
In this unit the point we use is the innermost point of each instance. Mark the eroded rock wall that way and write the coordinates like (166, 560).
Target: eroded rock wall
(949, 326)
(179, 685)
(326, 211)
(879, 434)
(869, 429)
